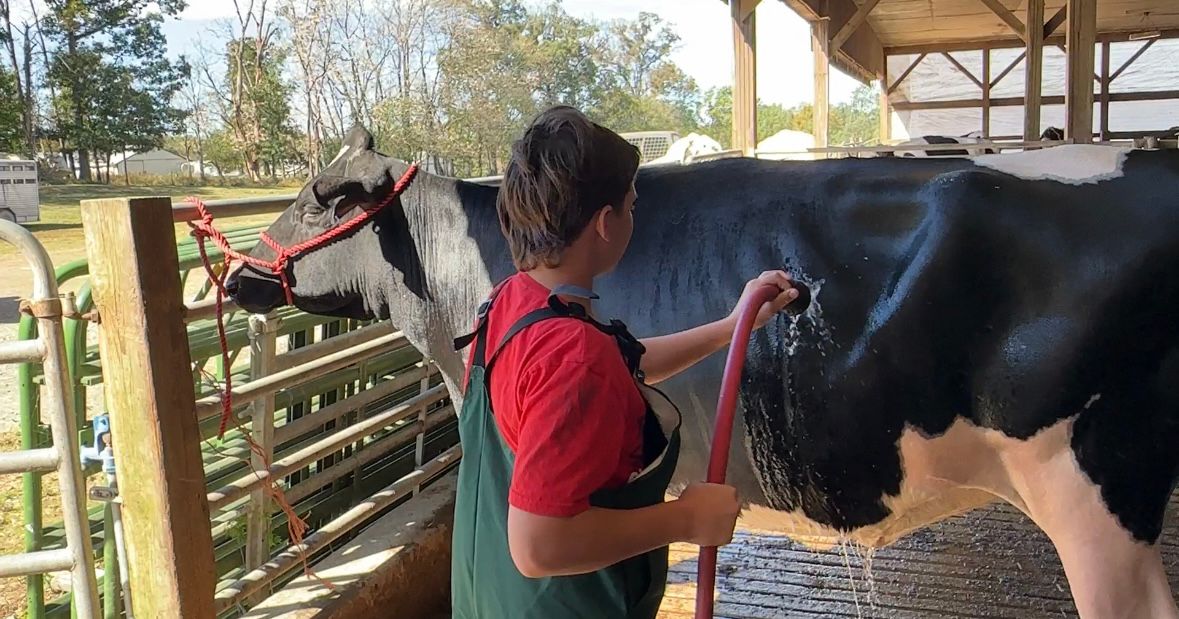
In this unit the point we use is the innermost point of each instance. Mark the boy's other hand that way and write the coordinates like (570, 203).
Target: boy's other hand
(711, 512)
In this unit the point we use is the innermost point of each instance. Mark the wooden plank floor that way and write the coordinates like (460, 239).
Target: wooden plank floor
(990, 563)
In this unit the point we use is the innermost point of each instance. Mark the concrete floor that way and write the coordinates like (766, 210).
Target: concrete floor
(990, 563)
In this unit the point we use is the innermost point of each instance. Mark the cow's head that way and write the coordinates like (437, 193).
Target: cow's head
(334, 279)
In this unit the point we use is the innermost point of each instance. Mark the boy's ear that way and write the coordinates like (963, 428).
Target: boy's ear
(600, 222)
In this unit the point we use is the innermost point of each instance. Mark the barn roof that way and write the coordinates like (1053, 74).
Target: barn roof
(914, 26)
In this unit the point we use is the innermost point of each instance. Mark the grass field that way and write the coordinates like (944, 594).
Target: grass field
(60, 228)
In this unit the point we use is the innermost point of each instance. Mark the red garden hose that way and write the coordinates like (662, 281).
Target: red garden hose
(722, 433)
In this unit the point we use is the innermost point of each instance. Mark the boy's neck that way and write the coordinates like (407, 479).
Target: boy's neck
(553, 277)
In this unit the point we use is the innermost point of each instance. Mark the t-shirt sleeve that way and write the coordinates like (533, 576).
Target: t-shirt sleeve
(570, 440)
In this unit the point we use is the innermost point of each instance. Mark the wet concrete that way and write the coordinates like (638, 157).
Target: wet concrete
(990, 563)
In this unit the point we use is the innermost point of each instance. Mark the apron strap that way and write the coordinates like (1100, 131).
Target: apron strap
(463, 341)
(632, 350)
(525, 321)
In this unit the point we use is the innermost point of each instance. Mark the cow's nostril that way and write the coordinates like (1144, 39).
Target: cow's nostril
(231, 284)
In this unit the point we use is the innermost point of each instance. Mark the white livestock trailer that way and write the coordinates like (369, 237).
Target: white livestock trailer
(20, 200)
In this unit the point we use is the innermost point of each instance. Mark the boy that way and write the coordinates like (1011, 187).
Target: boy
(566, 453)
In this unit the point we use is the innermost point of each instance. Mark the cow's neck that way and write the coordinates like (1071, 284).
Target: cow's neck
(446, 251)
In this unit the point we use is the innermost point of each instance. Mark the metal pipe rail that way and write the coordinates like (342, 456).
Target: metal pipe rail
(235, 207)
(335, 441)
(255, 580)
(211, 405)
(334, 411)
(49, 350)
(403, 436)
(206, 308)
(332, 345)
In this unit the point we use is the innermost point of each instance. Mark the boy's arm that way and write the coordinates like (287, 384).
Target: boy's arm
(542, 546)
(668, 355)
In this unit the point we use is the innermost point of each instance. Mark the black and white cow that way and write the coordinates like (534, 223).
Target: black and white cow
(996, 327)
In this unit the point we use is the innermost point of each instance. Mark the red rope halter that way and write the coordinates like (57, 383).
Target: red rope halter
(203, 230)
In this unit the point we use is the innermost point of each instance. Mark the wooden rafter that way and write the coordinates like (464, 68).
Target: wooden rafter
(906, 73)
(852, 24)
(1007, 16)
(1056, 21)
(1009, 69)
(1131, 59)
(963, 70)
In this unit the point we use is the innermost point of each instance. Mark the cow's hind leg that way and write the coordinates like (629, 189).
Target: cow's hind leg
(1111, 574)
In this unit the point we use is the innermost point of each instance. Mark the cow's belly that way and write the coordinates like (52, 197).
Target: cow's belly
(944, 476)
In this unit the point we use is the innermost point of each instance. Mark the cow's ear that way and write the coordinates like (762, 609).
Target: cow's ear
(359, 138)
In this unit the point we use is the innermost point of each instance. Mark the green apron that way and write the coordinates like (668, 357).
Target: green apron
(485, 583)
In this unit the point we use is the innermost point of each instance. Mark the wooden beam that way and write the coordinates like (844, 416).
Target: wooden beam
(986, 93)
(906, 73)
(1105, 82)
(852, 24)
(1008, 17)
(744, 75)
(1034, 74)
(961, 69)
(1081, 38)
(1009, 69)
(1131, 59)
(862, 55)
(147, 372)
(822, 55)
(1056, 21)
(959, 104)
(934, 47)
(748, 7)
(885, 108)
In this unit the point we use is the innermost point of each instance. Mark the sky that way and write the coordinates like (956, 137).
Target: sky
(784, 62)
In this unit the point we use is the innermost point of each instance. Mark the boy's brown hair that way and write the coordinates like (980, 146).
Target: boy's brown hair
(563, 170)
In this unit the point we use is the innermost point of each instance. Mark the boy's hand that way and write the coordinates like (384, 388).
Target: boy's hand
(767, 311)
(711, 511)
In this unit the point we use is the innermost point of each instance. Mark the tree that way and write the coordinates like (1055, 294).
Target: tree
(20, 101)
(194, 101)
(856, 122)
(221, 152)
(645, 89)
(117, 39)
(252, 91)
(11, 131)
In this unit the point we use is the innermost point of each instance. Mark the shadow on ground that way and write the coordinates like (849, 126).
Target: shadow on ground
(9, 310)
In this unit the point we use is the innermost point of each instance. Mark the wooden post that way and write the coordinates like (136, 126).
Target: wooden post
(821, 110)
(1080, 40)
(1034, 76)
(986, 92)
(885, 106)
(147, 371)
(744, 75)
(263, 349)
(1105, 83)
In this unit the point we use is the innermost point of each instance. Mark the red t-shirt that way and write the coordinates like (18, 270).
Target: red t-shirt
(565, 404)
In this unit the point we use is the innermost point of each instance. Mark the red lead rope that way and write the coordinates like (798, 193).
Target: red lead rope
(204, 229)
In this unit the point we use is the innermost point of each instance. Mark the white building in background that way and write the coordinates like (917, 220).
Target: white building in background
(935, 79)
(154, 161)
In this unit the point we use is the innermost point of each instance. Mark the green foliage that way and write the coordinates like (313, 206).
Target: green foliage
(221, 153)
(110, 69)
(11, 134)
(851, 123)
